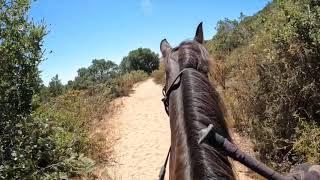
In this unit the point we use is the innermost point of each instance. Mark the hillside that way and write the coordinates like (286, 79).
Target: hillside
(267, 66)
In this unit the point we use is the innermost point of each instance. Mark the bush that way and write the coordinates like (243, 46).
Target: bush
(272, 82)
(159, 75)
(66, 117)
(123, 84)
(75, 112)
(27, 147)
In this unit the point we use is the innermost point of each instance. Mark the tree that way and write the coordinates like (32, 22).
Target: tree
(226, 39)
(140, 59)
(20, 54)
(55, 86)
(100, 71)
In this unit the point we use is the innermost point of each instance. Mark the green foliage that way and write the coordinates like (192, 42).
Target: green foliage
(226, 36)
(140, 59)
(44, 131)
(71, 116)
(100, 71)
(20, 49)
(272, 80)
(67, 139)
(308, 142)
(232, 34)
(55, 86)
(123, 84)
(289, 86)
(74, 112)
(29, 147)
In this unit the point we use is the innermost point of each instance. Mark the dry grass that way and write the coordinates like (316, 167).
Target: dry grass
(159, 75)
(270, 84)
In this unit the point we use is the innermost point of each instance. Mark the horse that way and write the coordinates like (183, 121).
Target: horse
(200, 141)
(193, 104)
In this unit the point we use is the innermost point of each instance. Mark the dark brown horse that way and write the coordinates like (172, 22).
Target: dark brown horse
(193, 104)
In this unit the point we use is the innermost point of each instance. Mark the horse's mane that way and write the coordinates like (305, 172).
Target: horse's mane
(202, 106)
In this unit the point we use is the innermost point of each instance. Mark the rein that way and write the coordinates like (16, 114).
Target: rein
(229, 148)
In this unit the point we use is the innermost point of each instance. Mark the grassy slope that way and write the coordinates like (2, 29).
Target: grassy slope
(270, 80)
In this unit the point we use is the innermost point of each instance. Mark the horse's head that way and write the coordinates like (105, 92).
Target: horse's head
(189, 54)
(194, 104)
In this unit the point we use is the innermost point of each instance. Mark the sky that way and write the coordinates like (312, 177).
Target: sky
(83, 30)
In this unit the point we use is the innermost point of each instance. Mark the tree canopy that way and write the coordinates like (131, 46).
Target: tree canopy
(100, 71)
(140, 59)
(55, 86)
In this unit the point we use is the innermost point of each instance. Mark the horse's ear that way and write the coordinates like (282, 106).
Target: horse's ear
(199, 34)
(165, 47)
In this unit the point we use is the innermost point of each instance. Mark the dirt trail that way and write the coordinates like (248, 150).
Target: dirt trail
(143, 135)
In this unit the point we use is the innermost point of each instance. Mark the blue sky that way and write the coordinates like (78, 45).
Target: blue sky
(81, 30)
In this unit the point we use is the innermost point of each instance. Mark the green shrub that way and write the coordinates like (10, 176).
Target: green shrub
(68, 135)
(27, 146)
(271, 82)
(308, 142)
(74, 113)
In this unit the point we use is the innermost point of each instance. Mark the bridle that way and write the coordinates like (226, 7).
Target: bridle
(230, 149)
(171, 88)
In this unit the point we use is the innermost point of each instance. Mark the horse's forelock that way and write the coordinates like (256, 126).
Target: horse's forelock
(193, 55)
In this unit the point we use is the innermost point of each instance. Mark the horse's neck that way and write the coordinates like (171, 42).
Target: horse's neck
(184, 161)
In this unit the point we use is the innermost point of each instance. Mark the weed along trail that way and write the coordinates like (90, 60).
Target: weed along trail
(142, 131)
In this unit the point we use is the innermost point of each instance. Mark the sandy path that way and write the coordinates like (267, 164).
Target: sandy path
(143, 133)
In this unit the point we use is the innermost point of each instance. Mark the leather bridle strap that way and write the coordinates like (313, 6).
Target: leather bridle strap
(171, 88)
(163, 168)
